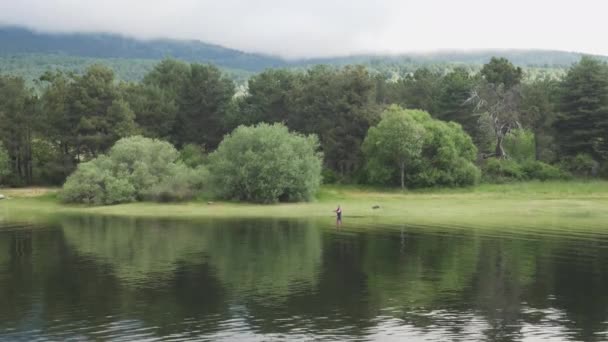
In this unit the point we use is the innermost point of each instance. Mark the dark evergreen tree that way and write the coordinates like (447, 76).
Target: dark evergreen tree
(202, 105)
(582, 126)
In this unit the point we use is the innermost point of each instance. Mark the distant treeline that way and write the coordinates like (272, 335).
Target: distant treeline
(73, 117)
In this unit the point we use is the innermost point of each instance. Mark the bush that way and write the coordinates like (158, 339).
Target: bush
(266, 163)
(582, 165)
(135, 168)
(538, 170)
(184, 185)
(519, 145)
(507, 170)
(329, 176)
(192, 155)
(428, 151)
(502, 170)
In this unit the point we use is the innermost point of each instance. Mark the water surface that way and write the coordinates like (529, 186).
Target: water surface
(96, 278)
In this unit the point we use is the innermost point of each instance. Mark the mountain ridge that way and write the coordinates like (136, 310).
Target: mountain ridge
(17, 40)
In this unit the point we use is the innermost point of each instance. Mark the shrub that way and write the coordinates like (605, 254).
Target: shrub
(425, 152)
(582, 165)
(192, 155)
(519, 145)
(266, 163)
(185, 184)
(135, 168)
(502, 170)
(94, 182)
(506, 170)
(329, 176)
(538, 170)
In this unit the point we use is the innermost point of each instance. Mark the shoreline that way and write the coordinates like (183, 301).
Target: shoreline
(580, 206)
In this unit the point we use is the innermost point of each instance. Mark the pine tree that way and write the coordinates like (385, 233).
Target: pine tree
(582, 126)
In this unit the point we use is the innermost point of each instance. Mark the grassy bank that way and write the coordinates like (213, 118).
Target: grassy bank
(578, 206)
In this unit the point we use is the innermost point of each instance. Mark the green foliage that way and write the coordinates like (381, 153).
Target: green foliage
(19, 116)
(581, 165)
(519, 145)
(48, 166)
(5, 167)
(502, 170)
(266, 163)
(604, 170)
(508, 170)
(185, 183)
(88, 99)
(582, 125)
(394, 146)
(154, 109)
(456, 90)
(135, 168)
(192, 155)
(539, 110)
(410, 146)
(337, 105)
(501, 71)
(202, 102)
(537, 170)
(71, 117)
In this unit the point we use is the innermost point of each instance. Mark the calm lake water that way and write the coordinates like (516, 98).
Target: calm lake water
(93, 278)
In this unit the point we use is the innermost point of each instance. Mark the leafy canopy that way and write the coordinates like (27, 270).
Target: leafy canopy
(135, 168)
(266, 163)
(410, 146)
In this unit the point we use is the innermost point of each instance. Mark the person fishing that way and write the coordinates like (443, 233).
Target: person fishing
(338, 216)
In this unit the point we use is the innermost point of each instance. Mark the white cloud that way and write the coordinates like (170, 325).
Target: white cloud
(324, 27)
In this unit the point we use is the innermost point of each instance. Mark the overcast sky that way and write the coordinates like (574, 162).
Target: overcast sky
(307, 28)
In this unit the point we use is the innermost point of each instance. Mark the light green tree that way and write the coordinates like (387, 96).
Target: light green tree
(412, 148)
(395, 142)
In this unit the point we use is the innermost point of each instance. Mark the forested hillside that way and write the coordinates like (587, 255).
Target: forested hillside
(29, 54)
(17, 41)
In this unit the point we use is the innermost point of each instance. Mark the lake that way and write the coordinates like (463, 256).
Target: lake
(125, 279)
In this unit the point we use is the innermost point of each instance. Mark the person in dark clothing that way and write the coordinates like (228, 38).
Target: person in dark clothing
(338, 216)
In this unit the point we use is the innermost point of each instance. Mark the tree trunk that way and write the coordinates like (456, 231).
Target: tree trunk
(500, 151)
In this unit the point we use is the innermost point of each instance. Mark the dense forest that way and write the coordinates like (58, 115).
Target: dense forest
(521, 127)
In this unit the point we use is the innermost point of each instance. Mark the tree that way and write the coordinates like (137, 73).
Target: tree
(169, 75)
(452, 100)
(96, 114)
(498, 98)
(417, 150)
(396, 142)
(339, 106)
(502, 71)
(155, 108)
(538, 111)
(582, 125)
(5, 167)
(19, 110)
(266, 163)
(58, 128)
(419, 90)
(202, 104)
(268, 98)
